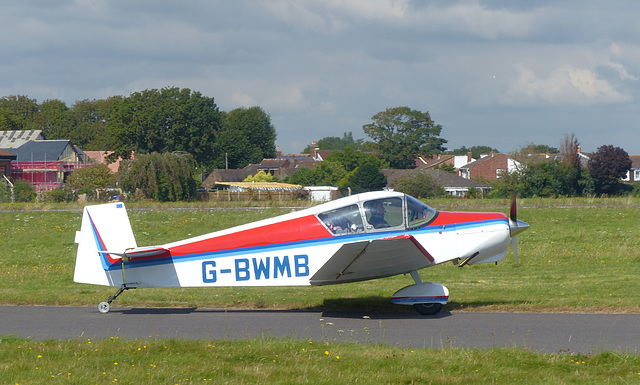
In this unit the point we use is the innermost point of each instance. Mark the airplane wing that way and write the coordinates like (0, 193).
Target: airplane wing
(376, 258)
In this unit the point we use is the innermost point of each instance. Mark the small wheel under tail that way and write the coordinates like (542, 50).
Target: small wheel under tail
(104, 307)
(428, 308)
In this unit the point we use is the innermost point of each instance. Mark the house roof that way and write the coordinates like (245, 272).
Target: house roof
(101, 157)
(493, 157)
(6, 155)
(635, 161)
(15, 139)
(442, 178)
(41, 150)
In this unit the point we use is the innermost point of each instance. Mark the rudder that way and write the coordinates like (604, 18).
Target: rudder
(104, 235)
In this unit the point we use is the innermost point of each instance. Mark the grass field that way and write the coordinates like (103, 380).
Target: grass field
(579, 255)
(286, 361)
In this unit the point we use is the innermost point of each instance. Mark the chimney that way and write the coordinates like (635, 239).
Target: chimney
(314, 149)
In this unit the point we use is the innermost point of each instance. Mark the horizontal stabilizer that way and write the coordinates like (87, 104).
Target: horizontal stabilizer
(376, 258)
(147, 252)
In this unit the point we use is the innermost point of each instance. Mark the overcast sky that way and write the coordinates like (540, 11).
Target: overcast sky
(495, 73)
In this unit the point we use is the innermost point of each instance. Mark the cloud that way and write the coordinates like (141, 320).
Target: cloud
(566, 85)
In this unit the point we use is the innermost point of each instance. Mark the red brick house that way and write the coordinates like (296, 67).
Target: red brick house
(489, 167)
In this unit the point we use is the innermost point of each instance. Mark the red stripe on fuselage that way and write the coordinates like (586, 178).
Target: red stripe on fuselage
(445, 218)
(293, 230)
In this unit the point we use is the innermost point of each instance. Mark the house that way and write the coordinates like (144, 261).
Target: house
(440, 160)
(46, 163)
(633, 175)
(451, 183)
(489, 167)
(102, 157)
(282, 167)
(5, 163)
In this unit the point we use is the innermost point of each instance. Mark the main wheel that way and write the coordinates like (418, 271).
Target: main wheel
(104, 307)
(428, 308)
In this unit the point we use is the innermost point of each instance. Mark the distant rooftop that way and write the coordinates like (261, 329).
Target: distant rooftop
(15, 139)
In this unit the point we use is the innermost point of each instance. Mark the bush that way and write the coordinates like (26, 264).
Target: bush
(162, 177)
(5, 192)
(60, 195)
(418, 185)
(24, 191)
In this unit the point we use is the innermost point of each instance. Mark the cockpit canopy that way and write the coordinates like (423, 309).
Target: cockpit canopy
(392, 213)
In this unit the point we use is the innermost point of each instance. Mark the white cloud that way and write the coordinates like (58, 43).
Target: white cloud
(566, 85)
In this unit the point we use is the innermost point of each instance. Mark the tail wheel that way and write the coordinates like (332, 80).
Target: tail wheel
(104, 307)
(428, 308)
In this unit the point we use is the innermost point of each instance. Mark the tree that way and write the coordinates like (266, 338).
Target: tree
(260, 176)
(247, 136)
(55, 120)
(351, 159)
(399, 134)
(22, 111)
(366, 177)
(417, 184)
(164, 121)
(327, 173)
(569, 149)
(607, 167)
(475, 151)
(549, 179)
(335, 143)
(532, 148)
(162, 177)
(92, 177)
(90, 117)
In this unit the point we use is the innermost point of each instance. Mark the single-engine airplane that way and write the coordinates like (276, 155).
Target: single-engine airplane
(356, 238)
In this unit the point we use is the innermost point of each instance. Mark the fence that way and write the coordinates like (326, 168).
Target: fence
(229, 196)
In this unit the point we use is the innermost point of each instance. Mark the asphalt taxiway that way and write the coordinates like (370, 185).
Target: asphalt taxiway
(542, 332)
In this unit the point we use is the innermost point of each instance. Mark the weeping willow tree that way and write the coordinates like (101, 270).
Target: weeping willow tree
(160, 176)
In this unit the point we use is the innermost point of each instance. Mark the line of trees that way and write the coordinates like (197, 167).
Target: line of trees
(162, 121)
(182, 130)
(568, 176)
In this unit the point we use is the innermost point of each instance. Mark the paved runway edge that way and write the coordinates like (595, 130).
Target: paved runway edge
(549, 333)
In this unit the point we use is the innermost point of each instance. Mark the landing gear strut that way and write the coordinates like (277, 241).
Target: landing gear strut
(104, 307)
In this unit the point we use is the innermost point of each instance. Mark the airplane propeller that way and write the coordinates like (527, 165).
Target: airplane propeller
(515, 227)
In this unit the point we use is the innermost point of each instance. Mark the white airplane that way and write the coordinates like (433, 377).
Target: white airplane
(357, 238)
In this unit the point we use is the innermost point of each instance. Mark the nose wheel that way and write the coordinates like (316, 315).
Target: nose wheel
(428, 308)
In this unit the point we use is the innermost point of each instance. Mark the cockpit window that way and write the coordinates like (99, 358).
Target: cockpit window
(383, 213)
(345, 220)
(418, 213)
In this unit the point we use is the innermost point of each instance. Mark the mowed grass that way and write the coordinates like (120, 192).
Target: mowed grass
(578, 256)
(288, 361)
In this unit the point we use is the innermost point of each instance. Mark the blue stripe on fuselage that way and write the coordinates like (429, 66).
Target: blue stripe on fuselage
(302, 244)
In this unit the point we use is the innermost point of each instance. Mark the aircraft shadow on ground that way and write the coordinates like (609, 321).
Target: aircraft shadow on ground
(373, 307)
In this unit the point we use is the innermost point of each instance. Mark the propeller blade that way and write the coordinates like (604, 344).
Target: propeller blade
(515, 227)
(514, 244)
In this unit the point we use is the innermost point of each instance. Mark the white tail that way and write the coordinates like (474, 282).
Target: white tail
(105, 234)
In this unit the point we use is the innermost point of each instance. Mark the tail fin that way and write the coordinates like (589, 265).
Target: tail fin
(105, 234)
